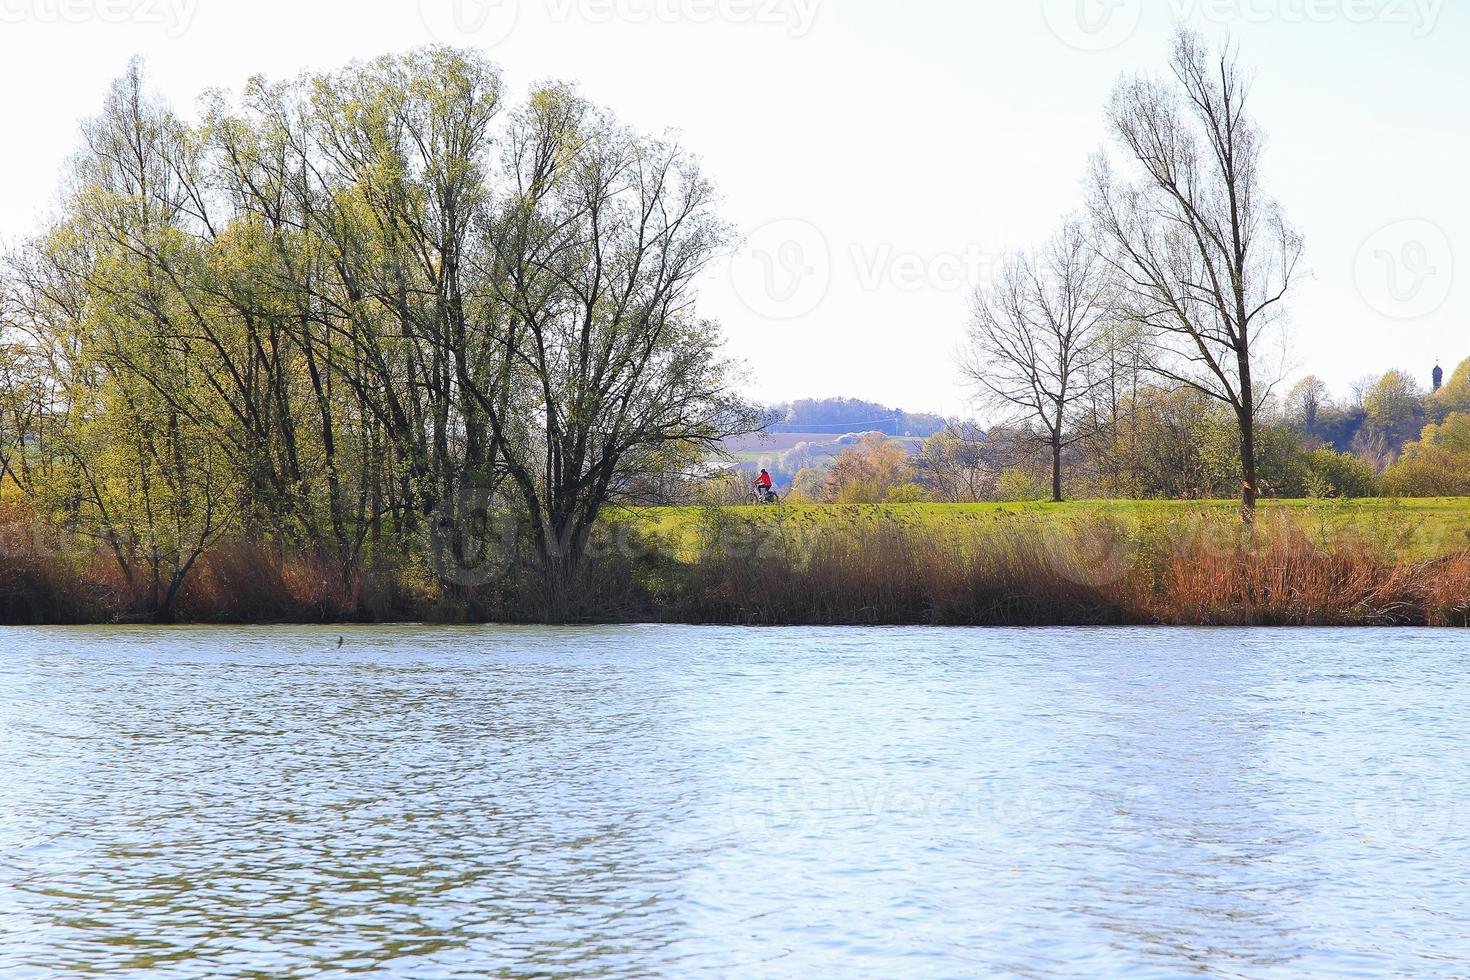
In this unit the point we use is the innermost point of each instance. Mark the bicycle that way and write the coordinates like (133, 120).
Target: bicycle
(762, 497)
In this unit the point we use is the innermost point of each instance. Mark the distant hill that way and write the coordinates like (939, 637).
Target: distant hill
(839, 416)
(749, 448)
(814, 431)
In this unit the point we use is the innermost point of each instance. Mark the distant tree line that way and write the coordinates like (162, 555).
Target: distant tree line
(1144, 439)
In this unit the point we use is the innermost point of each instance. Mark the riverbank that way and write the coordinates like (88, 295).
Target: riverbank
(1306, 563)
(1374, 563)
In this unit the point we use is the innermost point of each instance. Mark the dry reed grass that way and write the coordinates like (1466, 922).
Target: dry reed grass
(1202, 569)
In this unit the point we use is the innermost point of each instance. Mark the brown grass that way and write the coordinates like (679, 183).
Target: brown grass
(1206, 571)
(48, 577)
(1202, 569)
(245, 581)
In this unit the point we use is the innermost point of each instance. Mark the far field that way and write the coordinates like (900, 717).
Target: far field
(1419, 529)
(750, 451)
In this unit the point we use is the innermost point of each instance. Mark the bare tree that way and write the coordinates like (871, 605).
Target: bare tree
(1204, 257)
(955, 464)
(1037, 339)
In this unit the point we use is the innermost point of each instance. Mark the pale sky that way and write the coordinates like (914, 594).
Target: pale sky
(883, 153)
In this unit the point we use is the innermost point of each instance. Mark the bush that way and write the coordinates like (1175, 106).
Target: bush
(1429, 471)
(909, 493)
(1333, 474)
(1017, 485)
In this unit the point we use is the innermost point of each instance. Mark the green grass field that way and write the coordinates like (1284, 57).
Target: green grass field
(1420, 529)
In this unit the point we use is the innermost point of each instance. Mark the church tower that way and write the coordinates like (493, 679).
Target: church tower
(1438, 377)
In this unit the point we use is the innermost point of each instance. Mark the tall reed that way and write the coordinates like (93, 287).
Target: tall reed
(852, 566)
(1201, 570)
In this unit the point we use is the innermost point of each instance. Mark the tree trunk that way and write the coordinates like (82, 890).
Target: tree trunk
(1250, 487)
(1250, 491)
(559, 560)
(1056, 470)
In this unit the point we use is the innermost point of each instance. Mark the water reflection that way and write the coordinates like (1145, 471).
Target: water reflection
(1197, 840)
(635, 801)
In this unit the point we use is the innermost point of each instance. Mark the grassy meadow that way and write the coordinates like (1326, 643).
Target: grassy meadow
(1420, 530)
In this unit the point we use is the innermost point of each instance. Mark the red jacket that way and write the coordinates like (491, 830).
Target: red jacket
(764, 481)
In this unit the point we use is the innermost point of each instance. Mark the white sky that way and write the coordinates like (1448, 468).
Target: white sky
(898, 147)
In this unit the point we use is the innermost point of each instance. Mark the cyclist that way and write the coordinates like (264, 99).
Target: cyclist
(764, 485)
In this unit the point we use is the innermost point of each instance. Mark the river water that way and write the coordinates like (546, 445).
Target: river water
(722, 802)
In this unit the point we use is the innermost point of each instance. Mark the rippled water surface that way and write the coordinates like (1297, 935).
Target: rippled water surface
(667, 801)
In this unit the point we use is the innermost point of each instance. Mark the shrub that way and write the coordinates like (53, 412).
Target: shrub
(1017, 485)
(909, 493)
(1427, 470)
(1333, 474)
(868, 472)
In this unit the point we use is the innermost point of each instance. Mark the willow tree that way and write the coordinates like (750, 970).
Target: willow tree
(596, 245)
(136, 453)
(1204, 256)
(403, 150)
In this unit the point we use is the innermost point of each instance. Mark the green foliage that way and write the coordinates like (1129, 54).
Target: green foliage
(1438, 465)
(1455, 395)
(1332, 474)
(1017, 484)
(335, 313)
(1452, 434)
(1173, 443)
(909, 493)
(1395, 407)
(1428, 471)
